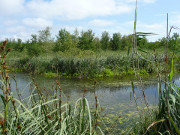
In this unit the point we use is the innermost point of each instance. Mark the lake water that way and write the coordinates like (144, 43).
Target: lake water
(114, 95)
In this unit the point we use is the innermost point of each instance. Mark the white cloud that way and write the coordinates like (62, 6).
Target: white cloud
(175, 20)
(10, 22)
(69, 28)
(37, 22)
(101, 23)
(15, 29)
(21, 18)
(152, 27)
(145, 1)
(9, 7)
(15, 32)
(156, 28)
(149, 1)
(77, 9)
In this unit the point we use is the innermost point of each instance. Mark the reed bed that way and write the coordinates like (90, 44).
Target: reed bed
(40, 114)
(98, 65)
(165, 119)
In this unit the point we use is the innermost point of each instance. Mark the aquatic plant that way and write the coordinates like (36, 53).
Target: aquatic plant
(165, 119)
(43, 114)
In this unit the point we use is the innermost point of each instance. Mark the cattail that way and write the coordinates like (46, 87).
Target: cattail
(8, 89)
(1, 121)
(8, 50)
(13, 101)
(5, 67)
(49, 116)
(18, 127)
(57, 82)
(85, 90)
(7, 77)
(36, 84)
(95, 82)
(4, 43)
(2, 48)
(97, 124)
(5, 131)
(102, 109)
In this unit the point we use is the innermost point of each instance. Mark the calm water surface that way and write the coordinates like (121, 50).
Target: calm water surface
(114, 95)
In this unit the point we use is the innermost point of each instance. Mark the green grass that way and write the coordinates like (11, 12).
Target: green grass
(166, 117)
(43, 114)
(83, 64)
(40, 114)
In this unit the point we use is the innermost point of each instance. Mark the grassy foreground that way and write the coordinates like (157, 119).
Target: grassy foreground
(39, 115)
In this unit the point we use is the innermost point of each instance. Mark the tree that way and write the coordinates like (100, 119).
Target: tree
(162, 42)
(75, 38)
(173, 41)
(86, 40)
(105, 40)
(45, 35)
(115, 41)
(124, 42)
(19, 45)
(142, 41)
(34, 38)
(64, 41)
(96, 43)
(33, 47)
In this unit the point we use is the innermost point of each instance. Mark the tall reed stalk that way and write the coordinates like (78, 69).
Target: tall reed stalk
(165, 120)
(44, 113)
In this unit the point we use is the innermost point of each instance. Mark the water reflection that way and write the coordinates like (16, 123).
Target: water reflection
(115, 95)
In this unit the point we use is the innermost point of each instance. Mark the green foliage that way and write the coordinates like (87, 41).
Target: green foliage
(141, 41)
(34, 39)
(75, 38)
(126, 42)
(86, 40)
(83, 55)
(97, 44)
(43, 43)
(174, 42)
(38, 114)
(108, 72)
(105, 40)
(19, 45)
(44, 35)
(166, 119)
(85, 63)
(115, 41)
(65, 41)
(34, 50)
(169, 109)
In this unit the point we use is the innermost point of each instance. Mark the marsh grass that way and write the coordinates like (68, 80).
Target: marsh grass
(44, 113)
(85, 64)
(47, 114)
(164, 119)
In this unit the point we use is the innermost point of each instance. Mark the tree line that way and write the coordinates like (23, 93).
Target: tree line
(85, 40)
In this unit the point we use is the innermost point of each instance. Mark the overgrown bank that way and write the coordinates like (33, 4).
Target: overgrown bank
(85, 64)
(86, 55)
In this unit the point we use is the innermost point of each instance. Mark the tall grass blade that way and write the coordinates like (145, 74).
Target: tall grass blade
(172, 71)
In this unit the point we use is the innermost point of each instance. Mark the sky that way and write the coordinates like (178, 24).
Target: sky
(21, 18)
